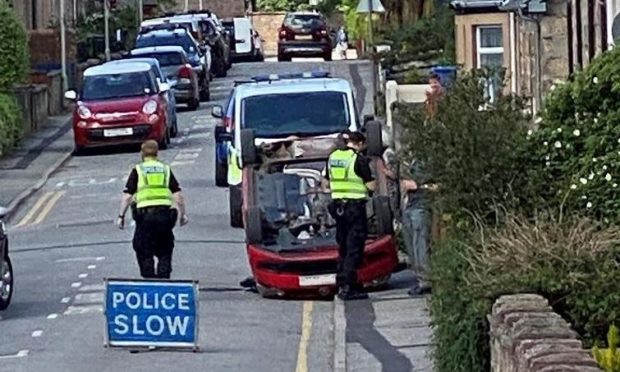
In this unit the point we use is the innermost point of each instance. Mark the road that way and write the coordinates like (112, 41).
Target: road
(64, 243)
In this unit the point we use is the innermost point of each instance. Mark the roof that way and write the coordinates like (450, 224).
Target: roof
(117, 68)
(476, 5)
(149, 61)
(158, 49)
(163, 31)
(293, 86)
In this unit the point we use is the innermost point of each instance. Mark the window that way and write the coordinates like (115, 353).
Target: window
(489, 46)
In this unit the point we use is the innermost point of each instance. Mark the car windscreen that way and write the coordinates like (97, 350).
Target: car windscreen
(308, 113)
(304, 20)
(165, 58)
(166, 40)
(114, 86)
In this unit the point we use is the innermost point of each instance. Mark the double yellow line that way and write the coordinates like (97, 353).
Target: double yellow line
(41, 208)
(304, 342)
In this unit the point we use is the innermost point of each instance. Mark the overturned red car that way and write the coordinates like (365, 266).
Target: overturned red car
(290, 234)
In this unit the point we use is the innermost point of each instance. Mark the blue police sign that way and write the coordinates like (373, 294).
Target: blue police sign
(151, 313)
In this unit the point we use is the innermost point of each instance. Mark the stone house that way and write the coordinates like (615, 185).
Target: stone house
(537, 42)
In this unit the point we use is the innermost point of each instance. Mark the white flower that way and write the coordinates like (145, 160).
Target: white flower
(608, 177)
(529, 132)
(545, 143)
(576, 133)
(558, 144)
(552, 87)
(595, 80)
(591, 176)
(573, 186)
(559, 130)
(584, 197)
(604, 167)
(595, 120)
(614, 185)
(589, 205)
(548, 163)
(538, 120)
(547, 157)
(594, 160)
(618, 140)
(583, 181)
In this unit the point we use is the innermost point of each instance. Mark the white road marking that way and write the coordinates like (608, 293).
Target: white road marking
(180, 163)
(92, 288)
(52, 316)
(20, 354)
(200, 135)
(65, 300)
(37, 333)
(79, 259)
(191, 150)
(73, 310)
(186, 156)
(88, 298)
(92, 267)
(83, 275)
(76, 284)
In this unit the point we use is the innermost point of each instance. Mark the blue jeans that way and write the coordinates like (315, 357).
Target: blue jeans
(417, 224)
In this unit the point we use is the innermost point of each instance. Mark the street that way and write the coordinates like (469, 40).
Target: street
(64, 243)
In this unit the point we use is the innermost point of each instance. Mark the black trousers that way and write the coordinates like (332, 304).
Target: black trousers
(152, 239)
(351, 234)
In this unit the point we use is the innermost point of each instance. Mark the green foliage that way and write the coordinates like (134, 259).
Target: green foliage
(609, 358)
(574, 156)
(124, 18)
(573, 263)
(472, 151)
(14, 59)
(280, 5)
(10, 123)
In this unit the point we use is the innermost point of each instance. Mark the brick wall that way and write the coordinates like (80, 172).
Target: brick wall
(45, 48)
(527, 336)
(223, 8)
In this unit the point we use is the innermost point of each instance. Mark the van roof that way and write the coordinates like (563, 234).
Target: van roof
(293, 86)
(117, 68)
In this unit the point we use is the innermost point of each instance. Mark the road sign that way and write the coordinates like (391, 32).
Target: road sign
(370, 6)
(146, 313)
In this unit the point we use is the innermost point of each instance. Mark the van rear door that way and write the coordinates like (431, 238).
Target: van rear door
(243, 36)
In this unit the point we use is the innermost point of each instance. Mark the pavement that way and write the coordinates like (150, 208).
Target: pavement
(64, 243)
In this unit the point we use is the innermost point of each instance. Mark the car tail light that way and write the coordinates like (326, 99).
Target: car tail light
(282, 32)
(323, 32)
(84, 113)
(185, 72)
(228, 122)
(150, 107)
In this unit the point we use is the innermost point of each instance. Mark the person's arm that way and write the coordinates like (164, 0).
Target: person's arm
(362, 168)
(175, 188)
(126, 198)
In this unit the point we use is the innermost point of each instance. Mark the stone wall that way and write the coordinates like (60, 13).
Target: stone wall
(45, 50)
(267, 25)
(527, 336)
(222, 8)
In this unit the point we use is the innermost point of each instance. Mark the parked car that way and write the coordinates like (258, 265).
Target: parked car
(189, 24)
(6, 268)
(247, 42)
(282, 143)
(214, 38)
(199, 56)
(173, 125)
(119, 104)
(304, 34)
(221, 147)
(178, 71)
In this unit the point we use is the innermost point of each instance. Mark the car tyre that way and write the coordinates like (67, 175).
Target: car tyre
(174, 131)
(221, 174)
(78, 150)
(254, 225)
(383, 215)
(266, 292)
(328, 56)
(235, 204)
(205, 94)
(6, 290)
(374, 141)
(163, 144)
(283, 58)
(193, 104)
(249, 154)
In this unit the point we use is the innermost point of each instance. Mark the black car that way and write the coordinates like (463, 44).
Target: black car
(304, 34)
(6, 269)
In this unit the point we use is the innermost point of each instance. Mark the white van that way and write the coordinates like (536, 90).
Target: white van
(248, 43)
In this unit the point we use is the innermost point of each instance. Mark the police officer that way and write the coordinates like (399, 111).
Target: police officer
(350, 179)
(153, 188)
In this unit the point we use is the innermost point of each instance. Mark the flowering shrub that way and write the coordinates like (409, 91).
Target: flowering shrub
(574, 155)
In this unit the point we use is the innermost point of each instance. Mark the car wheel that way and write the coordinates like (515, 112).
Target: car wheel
(249, 155)
(78, 150)
(254, 225)
(6, 282)
(174, 131)
(235, 203)
(205, 94)
(282, 58)
(328, 56)
(267, 292)
(374, 141)
(383, 215)
(221, 174)
(193, 104)
(163, 144)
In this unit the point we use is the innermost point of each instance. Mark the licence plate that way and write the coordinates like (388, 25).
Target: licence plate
(303, 37)
(313, 280)
(117, 132)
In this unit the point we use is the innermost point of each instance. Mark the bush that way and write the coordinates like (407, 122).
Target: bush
(473, 153)
(14, 60)
(574, 156)
(10, 123)
(573, 263)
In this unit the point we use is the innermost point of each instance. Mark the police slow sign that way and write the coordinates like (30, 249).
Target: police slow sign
(151, 313)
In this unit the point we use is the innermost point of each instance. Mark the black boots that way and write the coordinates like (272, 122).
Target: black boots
(348, 293)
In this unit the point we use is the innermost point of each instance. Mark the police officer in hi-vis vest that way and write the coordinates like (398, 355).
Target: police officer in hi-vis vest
(153, 188)
(350, 180)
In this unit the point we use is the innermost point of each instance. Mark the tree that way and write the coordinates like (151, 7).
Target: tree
(14, 59)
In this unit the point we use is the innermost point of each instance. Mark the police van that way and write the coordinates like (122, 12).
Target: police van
(270, 112)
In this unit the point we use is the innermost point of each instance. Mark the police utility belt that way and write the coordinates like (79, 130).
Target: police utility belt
(338, 205)
(139, 214)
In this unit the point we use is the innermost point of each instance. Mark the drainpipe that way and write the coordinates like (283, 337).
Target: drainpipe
(106, 21)
(538, 93)
(200, 5)
(513, 54)
(186, 5)
(63, 47)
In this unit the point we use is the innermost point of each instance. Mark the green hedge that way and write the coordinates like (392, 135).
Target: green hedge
(10, 123)
(14, 60)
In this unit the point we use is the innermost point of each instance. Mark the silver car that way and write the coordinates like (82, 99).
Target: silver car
(175, 65)
(6, 270)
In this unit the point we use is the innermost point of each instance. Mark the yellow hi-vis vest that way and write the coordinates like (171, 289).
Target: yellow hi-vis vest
(153, 184)
(343, 181)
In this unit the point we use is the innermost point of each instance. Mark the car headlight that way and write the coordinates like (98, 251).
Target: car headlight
(150, 107)
(84, 113)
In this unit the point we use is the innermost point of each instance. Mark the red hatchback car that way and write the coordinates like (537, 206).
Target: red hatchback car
(119, 104)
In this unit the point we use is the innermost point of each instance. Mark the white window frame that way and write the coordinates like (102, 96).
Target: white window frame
(487, 50)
